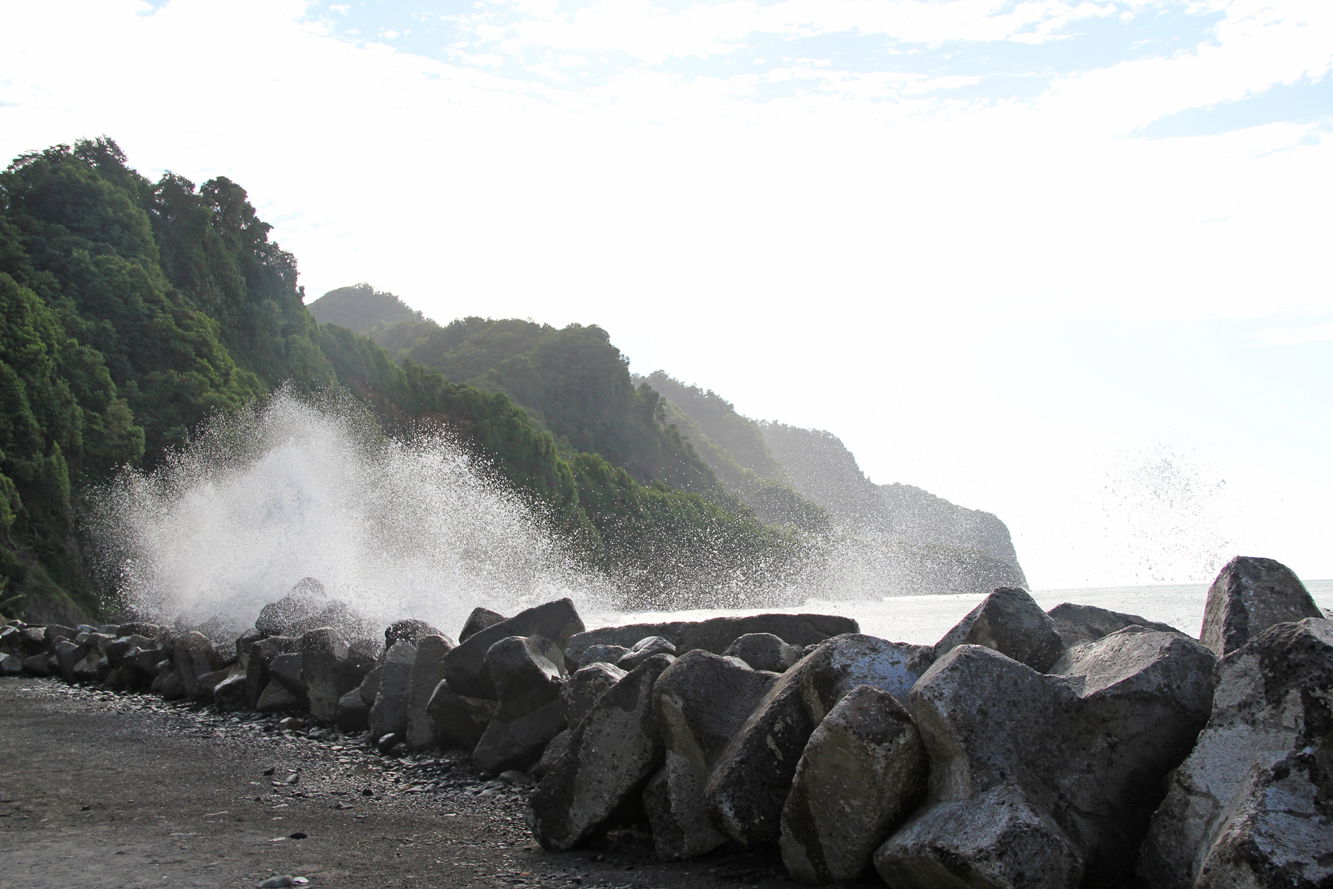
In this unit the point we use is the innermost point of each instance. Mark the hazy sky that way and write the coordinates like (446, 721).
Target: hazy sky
(1064, 261)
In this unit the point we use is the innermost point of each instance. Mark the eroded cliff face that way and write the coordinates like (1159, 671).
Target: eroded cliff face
(909, 540)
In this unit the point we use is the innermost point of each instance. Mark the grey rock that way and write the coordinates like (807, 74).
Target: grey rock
(277, 698)
(193, 656)
(764, 651)
(67, 654)
(465, 666)
(753, 775)
(581, 692)
(409, 630)
(997, 840)
(292, 615)
(388, 715)
(527, 673)
(1250, 807)
(1250, 595)
(262, 654)
(10, 664)
(370, 687)
(862, 773)
(701, 702)
(427, 671)
(330, 668)
(478, 620)
(353, 713)
(286, 669)
(716, 633)
(599, 654)
(1088, 748)
(457, 720)
(1011, 622)
(40, 664)
(551, 755)
(611, 753)
(643, 649)
(1088, 623)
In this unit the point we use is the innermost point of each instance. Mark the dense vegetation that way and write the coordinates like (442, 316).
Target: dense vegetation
(572, 380)
(134, 309)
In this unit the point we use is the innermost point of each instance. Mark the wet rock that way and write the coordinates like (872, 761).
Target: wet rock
(52, 632)
(427, 671)
(716, 633)
(1087, 623)
(40, 664)
(600, 654)
(353, 712)
(700, 702)
(1250, 595)
(294, 613)
(862, 773)
(764, 651)
(527, 673)
(193, 656)
(67, 654)
(583, 689)
(643, 649)
(996, 840)
(465, 666)
(262, 654)
(1011, 622)
(1251, 804)
(551, 755)
(612, 752)
(231, 691)
(330, 668)
(277, 698)
(388, 715)
(457, 720)
(753, 775)
(478, 620)
(410, 630)
(286, 669)
(10, 664)
(1086, 749)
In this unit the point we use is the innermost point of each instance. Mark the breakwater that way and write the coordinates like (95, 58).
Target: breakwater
(1075, 747)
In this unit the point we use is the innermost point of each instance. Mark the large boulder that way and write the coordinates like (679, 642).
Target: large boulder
(993, 840)
(478, 620)
(753, 774)
(585, 686)
(1253, 803)
(643, 649)
(388, 715)
(465, 666)
(1088, 623)
(231, 692)
(408, 630)
(700, 702)
(611, 753)
(1250, 595)
(764, 651)
(427, 671)
(262, 654)
(1085, 750)
(715, 634)
(330, 668)
(295, 612)
(458, 720)
(528, 674)
(1011, 622)
(861, 774)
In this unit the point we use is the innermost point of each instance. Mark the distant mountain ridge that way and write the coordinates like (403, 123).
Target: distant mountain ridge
(920, 541)
(660, 430)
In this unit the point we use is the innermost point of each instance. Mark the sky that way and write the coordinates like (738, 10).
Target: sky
(1061, 260)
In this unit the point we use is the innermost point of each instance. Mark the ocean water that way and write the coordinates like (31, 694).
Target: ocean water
(924, 619)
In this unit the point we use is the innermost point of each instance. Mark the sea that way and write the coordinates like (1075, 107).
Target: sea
(923, 620)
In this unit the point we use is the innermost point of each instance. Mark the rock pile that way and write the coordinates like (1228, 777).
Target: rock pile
(1079, 747)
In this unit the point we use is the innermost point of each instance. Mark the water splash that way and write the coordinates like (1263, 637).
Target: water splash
(394, 528)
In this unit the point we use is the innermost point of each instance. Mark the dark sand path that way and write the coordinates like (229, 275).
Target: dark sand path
(109, 790)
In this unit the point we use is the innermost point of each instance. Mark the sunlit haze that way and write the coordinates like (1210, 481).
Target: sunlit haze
(1066, 262)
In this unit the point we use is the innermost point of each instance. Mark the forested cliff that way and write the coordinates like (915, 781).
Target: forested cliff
(133, 309)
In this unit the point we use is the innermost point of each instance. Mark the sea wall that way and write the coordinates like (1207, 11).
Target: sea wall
(1075, 747)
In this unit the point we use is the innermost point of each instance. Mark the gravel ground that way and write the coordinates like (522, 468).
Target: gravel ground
(105, 789)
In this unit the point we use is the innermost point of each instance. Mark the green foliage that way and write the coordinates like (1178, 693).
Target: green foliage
(362, 308)
(132, 310)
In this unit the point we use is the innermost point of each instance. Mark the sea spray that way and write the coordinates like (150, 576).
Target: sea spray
(297, 487)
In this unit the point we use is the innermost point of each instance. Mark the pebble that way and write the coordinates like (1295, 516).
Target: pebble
(283, 882)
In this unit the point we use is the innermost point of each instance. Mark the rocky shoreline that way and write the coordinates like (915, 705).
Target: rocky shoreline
(1078, 747)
